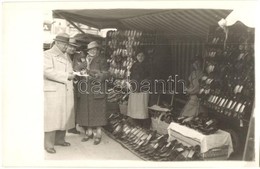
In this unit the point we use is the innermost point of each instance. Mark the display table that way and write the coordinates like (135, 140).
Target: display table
(218, 141)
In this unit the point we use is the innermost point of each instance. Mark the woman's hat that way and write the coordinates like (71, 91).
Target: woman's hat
(73, 42)
(63, 37)
(92, 45)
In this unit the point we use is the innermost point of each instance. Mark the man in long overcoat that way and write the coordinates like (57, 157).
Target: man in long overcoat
(58, 94)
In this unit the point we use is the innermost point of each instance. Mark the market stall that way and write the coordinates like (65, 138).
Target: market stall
(171, 38)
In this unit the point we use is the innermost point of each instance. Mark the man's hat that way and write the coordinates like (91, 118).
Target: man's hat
(73, 42)
(63, 37)
(92, 45)
(82, 38)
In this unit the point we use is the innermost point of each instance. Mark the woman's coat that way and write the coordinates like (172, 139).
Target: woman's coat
(92, 104)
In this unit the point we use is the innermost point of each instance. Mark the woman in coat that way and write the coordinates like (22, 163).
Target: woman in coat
(92, 105)
(192, 107)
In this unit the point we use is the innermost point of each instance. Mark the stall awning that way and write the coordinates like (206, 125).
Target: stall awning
(174, 22)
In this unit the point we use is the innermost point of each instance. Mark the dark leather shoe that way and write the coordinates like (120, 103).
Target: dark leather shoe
(131, 134)
(74, 131)
(97, 141)
(126, 129)
(85, 139)
(183, 156)
(136, 138)
(176, 152)
(65, 144)
(50, 150)
(140, 140)
(118, 130)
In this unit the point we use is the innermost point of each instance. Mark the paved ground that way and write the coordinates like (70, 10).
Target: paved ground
(108, 149)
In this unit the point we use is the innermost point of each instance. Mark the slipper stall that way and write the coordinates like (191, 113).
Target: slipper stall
(171, 38)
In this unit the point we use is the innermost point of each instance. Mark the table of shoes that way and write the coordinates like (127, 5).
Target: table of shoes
(215, 144)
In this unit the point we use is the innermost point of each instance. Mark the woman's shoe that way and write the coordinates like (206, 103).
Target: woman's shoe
(135, 134)
(85, 139)
(176, 151)
(193, 153)
(125, 133)
(151, 139)
(136, 138)
(164, 156)
(208, 131)
(153, 150)
(156, 155)
(118, 129)
(154, 145)
(131, 134)
(97, 141)
(141, 140)
(167, 147)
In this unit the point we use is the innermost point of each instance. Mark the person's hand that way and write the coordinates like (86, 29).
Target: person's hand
(71, 76)
(188, 119)
(185, 89)
(97, 75)
(83, 71)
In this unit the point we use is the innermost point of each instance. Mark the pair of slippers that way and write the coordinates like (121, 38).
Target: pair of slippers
(97, 140)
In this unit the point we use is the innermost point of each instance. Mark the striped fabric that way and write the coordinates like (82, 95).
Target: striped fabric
(182, 50)
(173, 22)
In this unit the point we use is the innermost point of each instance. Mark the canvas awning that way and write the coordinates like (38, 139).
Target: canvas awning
(171, 22)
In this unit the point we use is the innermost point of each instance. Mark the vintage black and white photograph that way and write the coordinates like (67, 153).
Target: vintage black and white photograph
(168, 84)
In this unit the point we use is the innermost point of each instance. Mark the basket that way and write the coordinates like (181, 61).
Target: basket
(156, 122)
(123, 108)
(159, 125)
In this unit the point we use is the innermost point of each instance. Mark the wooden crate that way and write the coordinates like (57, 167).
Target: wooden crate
(219, 153)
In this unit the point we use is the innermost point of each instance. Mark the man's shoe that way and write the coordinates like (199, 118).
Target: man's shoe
(65, 144)
(50, 150)
(74, 131)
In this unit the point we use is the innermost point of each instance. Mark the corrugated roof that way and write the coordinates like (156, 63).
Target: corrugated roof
(173, 22)
(103, 18)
